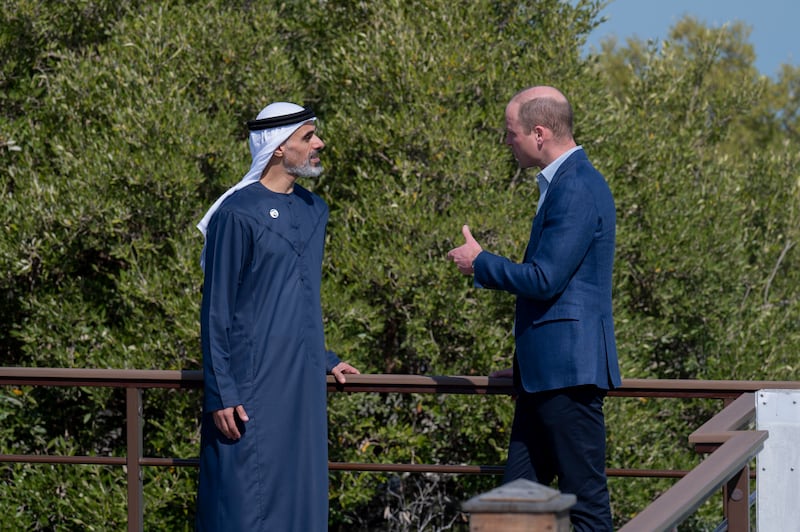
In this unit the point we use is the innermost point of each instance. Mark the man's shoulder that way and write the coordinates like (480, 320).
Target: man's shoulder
(242, 205)
(576, 160)
(578, 164)
(305, 193)
(309, 197)
(241, 199)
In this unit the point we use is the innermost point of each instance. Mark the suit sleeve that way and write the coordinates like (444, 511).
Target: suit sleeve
(569, 223)
(331, 361)
(225, 255)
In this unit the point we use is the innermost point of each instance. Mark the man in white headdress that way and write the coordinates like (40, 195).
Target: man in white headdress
(264, 456)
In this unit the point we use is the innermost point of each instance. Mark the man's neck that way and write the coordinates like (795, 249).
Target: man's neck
(558, 150)
(279, 183)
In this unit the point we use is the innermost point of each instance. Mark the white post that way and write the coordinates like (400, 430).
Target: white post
(778, 463)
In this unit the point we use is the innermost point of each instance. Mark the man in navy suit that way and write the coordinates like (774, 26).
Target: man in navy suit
(566, 358)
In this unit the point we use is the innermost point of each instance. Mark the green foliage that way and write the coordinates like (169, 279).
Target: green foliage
(120, 122)
(706, 270)
(63, 497)
(706, 229)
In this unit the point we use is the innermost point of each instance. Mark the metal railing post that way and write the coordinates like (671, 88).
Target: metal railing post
(736, 506)
(133, 416)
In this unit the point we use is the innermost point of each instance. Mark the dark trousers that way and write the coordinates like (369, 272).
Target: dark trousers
(562, 434)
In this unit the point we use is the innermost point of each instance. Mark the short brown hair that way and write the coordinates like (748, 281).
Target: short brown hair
(555, 115)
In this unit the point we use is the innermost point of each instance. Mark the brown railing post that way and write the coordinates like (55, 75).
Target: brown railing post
(520, 505)
(736, 506)
(133, 417)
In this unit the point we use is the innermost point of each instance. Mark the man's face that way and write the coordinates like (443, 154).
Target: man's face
(524, 146)
(301, 152)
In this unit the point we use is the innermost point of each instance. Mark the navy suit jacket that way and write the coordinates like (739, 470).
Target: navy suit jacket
(564, 329)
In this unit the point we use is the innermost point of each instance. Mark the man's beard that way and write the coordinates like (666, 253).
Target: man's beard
(306, 169)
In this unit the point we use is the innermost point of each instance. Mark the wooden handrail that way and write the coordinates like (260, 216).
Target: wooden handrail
(117, 378)
(140, 378)
(717, 430)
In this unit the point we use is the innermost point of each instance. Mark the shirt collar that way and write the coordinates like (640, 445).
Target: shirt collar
(549, 171)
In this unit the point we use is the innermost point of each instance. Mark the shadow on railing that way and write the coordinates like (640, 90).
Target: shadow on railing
(725, 436)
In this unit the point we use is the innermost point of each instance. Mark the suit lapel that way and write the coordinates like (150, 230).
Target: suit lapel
(538, 219)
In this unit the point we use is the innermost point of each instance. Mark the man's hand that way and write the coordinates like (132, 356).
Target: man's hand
(340, 369)
(465, 254)
(225, 420)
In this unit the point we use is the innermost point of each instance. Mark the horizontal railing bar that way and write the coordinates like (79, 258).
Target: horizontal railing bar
(646, 473)
(487, 469)
(333, 466)
(119, 378)
(417, 468)
(61, 459)
(169, 462)
(700, 386)
(676, 388)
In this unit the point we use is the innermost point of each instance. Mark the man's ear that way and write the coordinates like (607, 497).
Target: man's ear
(278, 151)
